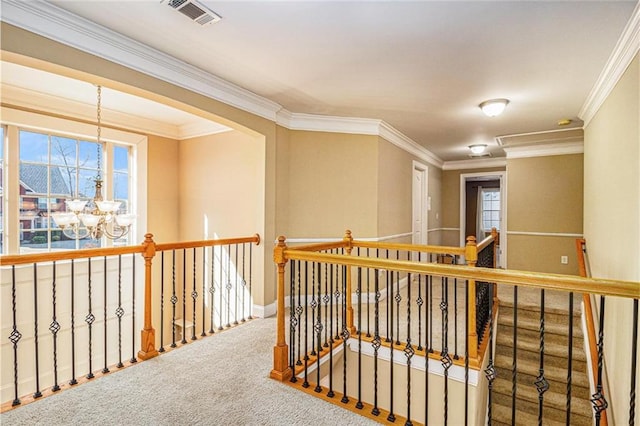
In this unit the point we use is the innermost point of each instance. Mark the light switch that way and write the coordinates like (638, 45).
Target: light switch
(564, 260)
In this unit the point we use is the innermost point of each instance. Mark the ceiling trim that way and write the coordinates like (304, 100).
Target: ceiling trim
(626, 48)
(474, 164)
(544, 150)
(572, 134)
(37, 101)
(402, 141)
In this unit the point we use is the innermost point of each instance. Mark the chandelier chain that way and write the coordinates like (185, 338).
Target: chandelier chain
(99, 131)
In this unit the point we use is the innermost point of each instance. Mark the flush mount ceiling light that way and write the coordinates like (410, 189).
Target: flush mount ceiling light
(477, 149)
(493, 107)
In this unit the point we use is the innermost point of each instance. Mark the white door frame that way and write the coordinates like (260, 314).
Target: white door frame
(502, 177)
(422, 200)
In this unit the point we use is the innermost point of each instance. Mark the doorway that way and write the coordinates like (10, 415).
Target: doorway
(483, 206)
(420, 203)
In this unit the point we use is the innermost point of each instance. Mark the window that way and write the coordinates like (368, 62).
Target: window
(490, 209)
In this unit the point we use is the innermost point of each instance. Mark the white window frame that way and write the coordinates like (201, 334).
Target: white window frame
(15, 120)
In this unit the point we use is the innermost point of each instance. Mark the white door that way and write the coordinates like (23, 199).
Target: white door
(419, 202)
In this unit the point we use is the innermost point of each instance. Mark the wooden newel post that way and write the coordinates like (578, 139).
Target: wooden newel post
(348, 239)
(471, 256)
(281, 370)
(148, 334)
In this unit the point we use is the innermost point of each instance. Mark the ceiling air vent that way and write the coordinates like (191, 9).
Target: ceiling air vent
(195, 11)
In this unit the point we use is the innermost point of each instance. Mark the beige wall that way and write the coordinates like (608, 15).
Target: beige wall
(162, 188)
(394, 197)
(334, 177)
(612, 222)
(544, 195)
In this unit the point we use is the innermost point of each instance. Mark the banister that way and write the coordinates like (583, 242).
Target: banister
(21, 259)
(459, 251)
(207, 243)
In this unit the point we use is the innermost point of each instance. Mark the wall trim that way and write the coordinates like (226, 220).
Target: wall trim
(545, 234)
(626, 48)
(544, 150)
(443, 229)
(264, 311)
(474, 164)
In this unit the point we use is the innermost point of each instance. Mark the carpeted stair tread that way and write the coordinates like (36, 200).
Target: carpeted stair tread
(577, 390)
(556, 399)
(530, 310)
(530, 367)
(505, 318)
(501, 414)
(550, 415)
(529, 340)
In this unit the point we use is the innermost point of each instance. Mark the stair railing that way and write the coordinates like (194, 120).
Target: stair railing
(66, 312)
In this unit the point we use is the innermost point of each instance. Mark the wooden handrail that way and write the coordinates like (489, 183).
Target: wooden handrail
(21, 259)
(459, 251)
(207, 243)
(569, 283)
(588, 313)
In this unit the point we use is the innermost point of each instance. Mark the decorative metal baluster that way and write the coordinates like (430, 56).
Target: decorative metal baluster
(455, 319)
(105, 369)
(235, 289)
(345, 335)
(221, 307)
(133, 310)
(318, 329)
(243, 282)
(120, 312)
(89, 319)
(299, 310)
(409, 352)
(54, 327)
(514, 361)
(306, 324)
(430, 282)
(570, 361)
(204, 291)
(388, 299)
(229, 286)
(398, 299)
(331, 394)
(541, 382)
(250, 274)
(212, 290)
(426, 357)
(293, 322)
(466, 353)
(73, 380)
(634, 356)
(359, 404)
(391, 417)
(194, 296)
(420, 302)
(445, 358)
(161, 348)
(376, 343)
(490, 371)
(37, 393)
(326, 299)
(598, 400)
(14, 337)
(174, 300)
(313, 304)
(368, 292)
(184, 296)
(337, 295)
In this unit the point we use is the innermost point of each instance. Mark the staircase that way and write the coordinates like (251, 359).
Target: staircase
(528, 363)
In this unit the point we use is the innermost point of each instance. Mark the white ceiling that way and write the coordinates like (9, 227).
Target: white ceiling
(421, 66)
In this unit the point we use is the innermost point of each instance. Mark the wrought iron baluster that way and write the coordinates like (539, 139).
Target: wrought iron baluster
(359, 404)
(430, 282)
(514, 361)
(73, 380)
(541, 382)
(318, 329)
(221, 307)
(337, 295)
(445, 358)
(299, 310)
(466, 353)
(345, 335)
(326, 299)
(306, 323)
(409, 352)
(37, 393)
(212, 290)
(174, 299)
(54, 327)
(161, 348)
(490, 371)
(455, 318)
(293, 322)
(235, 288)
(313, 304)
(388, 299)
(398, 299)
(243, 282)
(105, 369)
(204, 291)
(184, 297)
(376, 343)
(229, 286)
(14, 337)
(194, 295)
(120, 312)
(570, 360)
(133, 310)
(368, 299)
(419, 303)
(89, 319)
(250, 275)
(598, 400)
(426, 355)
(331, 394)
(634, 356)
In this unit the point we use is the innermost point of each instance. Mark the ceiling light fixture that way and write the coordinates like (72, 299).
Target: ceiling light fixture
(493, 107)
(477, 148)
(97, 217)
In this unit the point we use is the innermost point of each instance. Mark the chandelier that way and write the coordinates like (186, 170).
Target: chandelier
(97, 217)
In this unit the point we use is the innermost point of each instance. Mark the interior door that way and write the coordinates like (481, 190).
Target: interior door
(419, 204)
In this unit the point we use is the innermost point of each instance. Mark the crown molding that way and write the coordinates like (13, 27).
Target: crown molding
(327, 123)
(545, 150)
(626, 48)
(50, 21)
(402, 141)
(484, 163)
